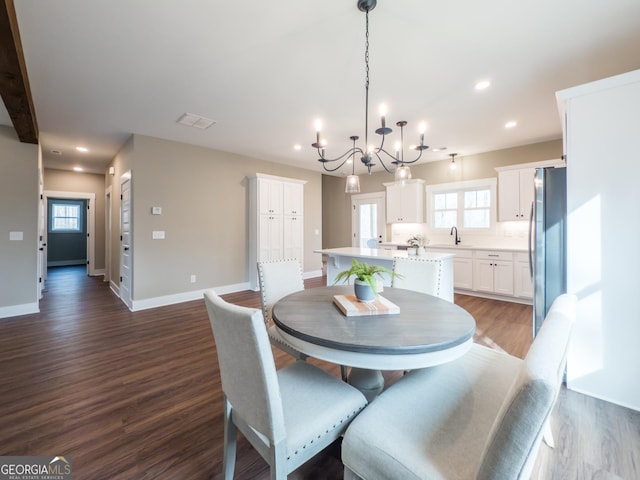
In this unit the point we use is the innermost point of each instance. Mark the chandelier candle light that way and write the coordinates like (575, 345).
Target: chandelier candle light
(401, 170)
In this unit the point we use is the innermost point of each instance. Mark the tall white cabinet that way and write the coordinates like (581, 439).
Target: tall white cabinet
(276, 220)
(602, 141)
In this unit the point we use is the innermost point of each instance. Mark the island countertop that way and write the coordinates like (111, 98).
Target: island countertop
(339, 259)
(377, 253)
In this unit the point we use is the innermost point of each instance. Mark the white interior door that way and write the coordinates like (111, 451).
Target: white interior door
(108, 227)
(125, 240)
(368, 226)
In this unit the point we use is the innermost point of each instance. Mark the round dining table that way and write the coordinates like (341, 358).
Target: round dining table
(427, 331)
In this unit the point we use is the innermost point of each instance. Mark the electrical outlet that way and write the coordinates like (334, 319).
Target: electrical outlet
(157, 235)
(193, 279)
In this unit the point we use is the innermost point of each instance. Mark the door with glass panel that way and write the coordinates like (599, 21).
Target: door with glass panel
(368, 225)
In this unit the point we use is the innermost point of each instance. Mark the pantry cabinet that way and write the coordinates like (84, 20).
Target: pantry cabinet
(276, 221)
(405, 202)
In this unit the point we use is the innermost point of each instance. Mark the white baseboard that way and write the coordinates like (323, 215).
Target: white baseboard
(97, 272)
(115, 288)
(144, 304)
(66, 263)
(15, 310)
(312, 274)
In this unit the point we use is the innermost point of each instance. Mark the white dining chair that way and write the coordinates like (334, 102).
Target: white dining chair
(287, 415)
(277, 279)
(421, 275)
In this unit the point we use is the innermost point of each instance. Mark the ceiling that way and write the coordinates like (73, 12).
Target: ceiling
(264, 71)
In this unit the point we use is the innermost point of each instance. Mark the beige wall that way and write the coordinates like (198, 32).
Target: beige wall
(18, 213)
(337, 204)
(75, 182)
(204, 197)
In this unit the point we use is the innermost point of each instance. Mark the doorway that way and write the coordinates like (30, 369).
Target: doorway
(74, 215)
(368, 226)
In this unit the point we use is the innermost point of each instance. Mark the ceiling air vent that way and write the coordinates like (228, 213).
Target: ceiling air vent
(195, 121)
(56, 152)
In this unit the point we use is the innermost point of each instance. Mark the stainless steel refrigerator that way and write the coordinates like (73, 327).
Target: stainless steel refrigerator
(547, 240)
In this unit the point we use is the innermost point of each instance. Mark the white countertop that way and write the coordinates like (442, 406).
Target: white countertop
(377, 253)
(478, 247)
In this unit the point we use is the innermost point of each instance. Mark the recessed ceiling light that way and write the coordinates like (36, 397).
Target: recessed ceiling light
(297, 146)
(78, 169)
(510, 124)
(483, 85)
(55, 152)
(439, 149)
(82, 149)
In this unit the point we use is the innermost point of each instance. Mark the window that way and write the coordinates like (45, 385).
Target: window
(65, 216)
(467, 205)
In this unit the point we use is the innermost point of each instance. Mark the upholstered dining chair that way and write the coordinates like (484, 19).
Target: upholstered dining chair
(421, 275)
(482, 416)
(277, 279)
(287, 415)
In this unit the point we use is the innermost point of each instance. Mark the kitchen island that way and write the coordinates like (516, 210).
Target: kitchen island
(339, 259)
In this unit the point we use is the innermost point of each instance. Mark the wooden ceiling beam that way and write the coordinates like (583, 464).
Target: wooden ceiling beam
(14, 83)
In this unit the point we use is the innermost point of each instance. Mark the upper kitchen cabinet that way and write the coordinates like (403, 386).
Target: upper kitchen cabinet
(515, 189)
(405, 202)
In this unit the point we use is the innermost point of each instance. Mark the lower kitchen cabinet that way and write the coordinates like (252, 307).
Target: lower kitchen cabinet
(522, 281)
(493, 276)
(498, 274)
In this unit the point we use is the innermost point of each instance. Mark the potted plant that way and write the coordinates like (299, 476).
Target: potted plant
(418, 242)
(365, 285)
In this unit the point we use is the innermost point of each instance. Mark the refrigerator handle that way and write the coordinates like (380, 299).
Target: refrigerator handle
(530, 241)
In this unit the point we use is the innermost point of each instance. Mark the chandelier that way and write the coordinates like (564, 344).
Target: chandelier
(370, 153)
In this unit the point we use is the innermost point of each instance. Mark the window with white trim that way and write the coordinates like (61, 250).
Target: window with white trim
(66, 216)
(468, 205)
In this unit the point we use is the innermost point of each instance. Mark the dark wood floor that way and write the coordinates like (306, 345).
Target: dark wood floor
(137, 395)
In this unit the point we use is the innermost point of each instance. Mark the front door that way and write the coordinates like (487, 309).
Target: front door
(368, 226)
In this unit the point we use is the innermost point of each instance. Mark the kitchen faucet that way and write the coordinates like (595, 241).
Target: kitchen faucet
(457, 238)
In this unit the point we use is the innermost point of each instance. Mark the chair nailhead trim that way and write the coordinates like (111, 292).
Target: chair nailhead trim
(342, 420)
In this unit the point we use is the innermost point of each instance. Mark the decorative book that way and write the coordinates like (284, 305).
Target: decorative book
(351, 307)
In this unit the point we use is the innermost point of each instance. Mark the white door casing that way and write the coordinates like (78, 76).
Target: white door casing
(91, 222)
(368, 219)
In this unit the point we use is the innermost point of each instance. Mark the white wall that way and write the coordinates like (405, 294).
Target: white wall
(603, 173)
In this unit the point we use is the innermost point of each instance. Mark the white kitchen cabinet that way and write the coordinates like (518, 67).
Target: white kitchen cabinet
(493, 272)
(515, 194)
(271, 241)
(405, 202)
(293, 198)
(463, 273)
(293, 228)
(462, 266)
(522, 281)
(516, 189)
(270, 196)
(276, 221)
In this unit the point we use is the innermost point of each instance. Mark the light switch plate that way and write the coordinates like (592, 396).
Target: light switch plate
(156, 210)
(157, 235)
(16, 235)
